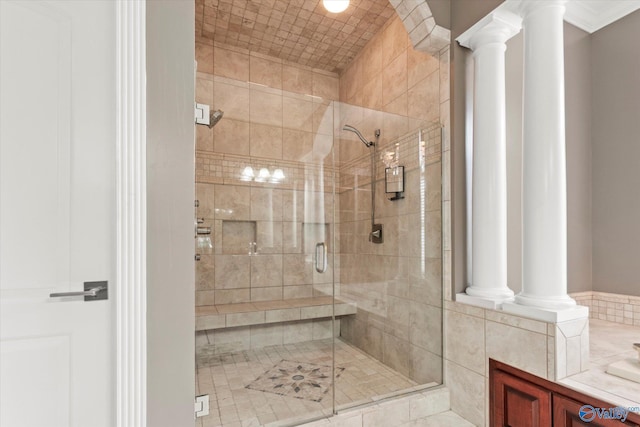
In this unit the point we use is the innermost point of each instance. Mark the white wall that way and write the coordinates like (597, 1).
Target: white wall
(170, 198)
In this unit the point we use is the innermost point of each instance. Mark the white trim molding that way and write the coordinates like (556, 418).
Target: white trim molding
(131, 342)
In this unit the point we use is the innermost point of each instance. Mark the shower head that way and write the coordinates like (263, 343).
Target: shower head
(215, 117)
(357, 132)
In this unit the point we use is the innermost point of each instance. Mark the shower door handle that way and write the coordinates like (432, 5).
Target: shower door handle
(321, 248)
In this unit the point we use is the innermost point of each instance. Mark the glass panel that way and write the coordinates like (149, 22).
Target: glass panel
(264, 283)
(392, 344)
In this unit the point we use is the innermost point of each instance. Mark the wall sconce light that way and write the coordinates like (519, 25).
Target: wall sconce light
(264, 175)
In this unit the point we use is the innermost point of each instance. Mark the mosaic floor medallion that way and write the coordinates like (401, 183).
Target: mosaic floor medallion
(306, 381)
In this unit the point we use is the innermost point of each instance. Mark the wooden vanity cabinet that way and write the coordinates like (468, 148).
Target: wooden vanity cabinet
(520, 399)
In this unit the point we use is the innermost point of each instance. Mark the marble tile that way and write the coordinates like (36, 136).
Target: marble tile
(244, 319)
(323, 113)
(316, 311)
(398, 105)
(325, 86)
(282, 315)
(468, 392)
(238, 236)
(269, 237)
(265, 335)
(321, 329)
(296, 79)
(265, 141)
(294, 332)
(266, 204)
(572, 328)
(425, 367)
(419, 66)
(424, 102)
(204, 57)
(206, 297)
(373, 53)
(297, 114)
(297, 269)
(293, 205)
(266, 72)
(232, 99)
(232, 271)
(394, 79)
(387, 414)
(265, 108)
(231, 137)
(396, 353)
(204, 138)
(297, 145)
(229, 296)
(266, 294)
(574, 354)
(445, 89)
(231, 64)
(445, 419)
(516, 321)
(266, 271)
(232, 202)
(214, 321)
(518, 347)
(205, 194)
(425, 329)
(430, 403)
(394, 41)
(204, 91)
(465, 343)
(205, 273)
(292, 237)
(297, 291)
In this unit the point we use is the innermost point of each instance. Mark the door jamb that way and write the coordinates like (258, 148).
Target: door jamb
(131, 271)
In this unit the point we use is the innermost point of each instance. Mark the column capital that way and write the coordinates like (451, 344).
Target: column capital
(524, 8)
(497, 27)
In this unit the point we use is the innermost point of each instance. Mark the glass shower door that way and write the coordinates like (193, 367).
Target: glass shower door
(265, 285)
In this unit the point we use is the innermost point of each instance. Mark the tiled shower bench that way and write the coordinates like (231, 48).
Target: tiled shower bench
(265, 312)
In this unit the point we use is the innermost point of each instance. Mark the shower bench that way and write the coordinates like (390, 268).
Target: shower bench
(265, 312)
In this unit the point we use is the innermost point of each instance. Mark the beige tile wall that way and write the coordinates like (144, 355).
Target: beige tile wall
(276, 115)
(397, 285)
(474, 335)
(624, 309)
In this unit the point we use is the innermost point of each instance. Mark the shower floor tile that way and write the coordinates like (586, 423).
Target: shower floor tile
(225, 379)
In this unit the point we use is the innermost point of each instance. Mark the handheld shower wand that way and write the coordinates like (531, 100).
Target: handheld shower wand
(362, 138)
(376, 229)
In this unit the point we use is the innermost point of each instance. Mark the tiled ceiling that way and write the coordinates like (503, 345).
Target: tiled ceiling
(300, 31)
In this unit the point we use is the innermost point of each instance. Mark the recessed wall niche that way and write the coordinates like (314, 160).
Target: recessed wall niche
(238, 237)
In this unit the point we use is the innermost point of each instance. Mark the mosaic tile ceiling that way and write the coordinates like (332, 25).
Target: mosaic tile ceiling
(300, 31)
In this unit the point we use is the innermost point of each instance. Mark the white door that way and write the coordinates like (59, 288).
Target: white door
(57, 211)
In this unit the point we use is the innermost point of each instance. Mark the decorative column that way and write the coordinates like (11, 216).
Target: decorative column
(544, 188)
(487, 40)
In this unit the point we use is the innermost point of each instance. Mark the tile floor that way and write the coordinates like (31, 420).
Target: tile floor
(225, 377)
(443, 419)
(608, 342)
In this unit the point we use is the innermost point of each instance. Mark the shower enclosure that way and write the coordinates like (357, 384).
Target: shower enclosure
(299, 314)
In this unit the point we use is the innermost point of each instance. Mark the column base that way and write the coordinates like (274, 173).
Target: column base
(493, 303)
(548, 303)
(551, 315)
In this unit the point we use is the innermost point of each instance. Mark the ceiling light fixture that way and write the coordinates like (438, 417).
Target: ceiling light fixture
(335, 6)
